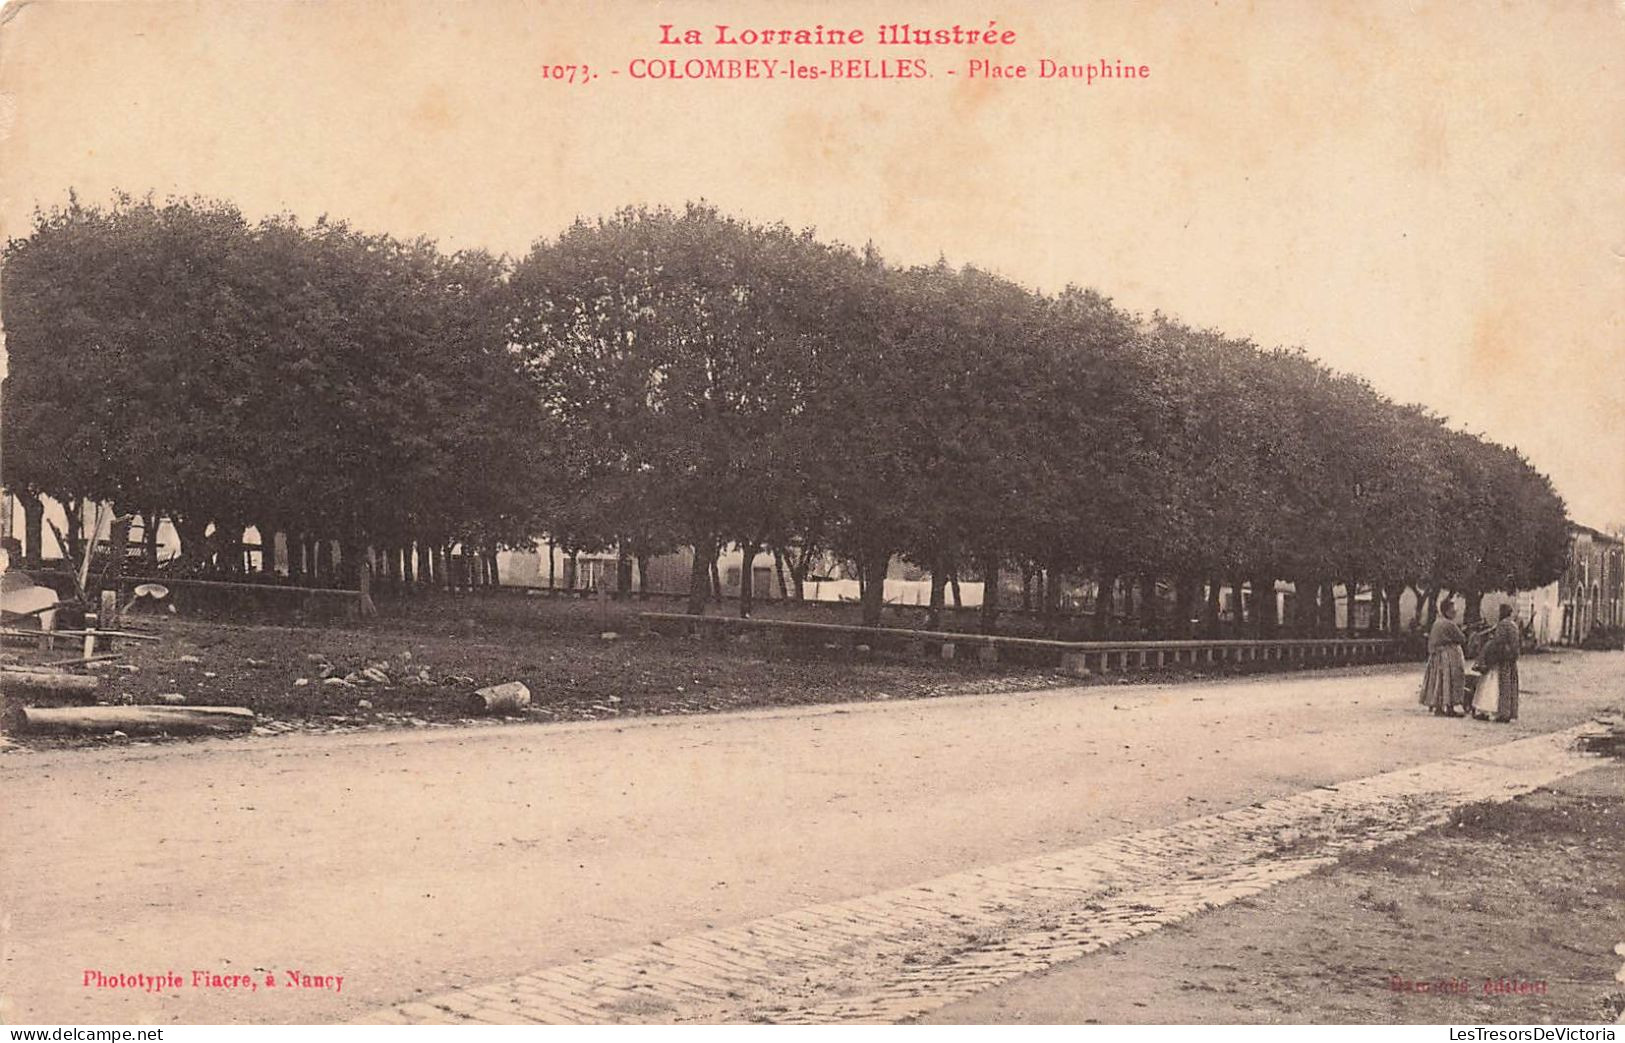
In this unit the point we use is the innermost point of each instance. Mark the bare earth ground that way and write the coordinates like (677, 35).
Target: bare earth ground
(416, 861)
(1508, 914)
(555, 647)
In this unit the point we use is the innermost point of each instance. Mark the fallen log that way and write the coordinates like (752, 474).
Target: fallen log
(54, 682)
(138, 720)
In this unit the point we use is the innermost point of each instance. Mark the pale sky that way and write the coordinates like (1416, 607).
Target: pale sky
(1429, 195)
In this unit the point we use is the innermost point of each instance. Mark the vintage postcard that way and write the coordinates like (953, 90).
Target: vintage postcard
(1096, 513)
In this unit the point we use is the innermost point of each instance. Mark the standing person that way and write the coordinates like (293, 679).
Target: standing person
(1507, 641)
(1444, 684)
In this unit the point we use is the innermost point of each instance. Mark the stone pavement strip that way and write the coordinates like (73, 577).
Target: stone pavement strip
(893, 956)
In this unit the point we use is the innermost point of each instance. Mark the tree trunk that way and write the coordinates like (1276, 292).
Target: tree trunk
(33, 529)
(1238, 621)
(552, 564)
(1305, 608)
(494, 567)
(1210, 619)
(75, 512)
(990, 593)
(1394, 595)
(267, 547)
(1105, 603)
(351, 558)
(778, 570)
(875, 567)
(149, 538)
(1474, 612)
(1187, 588)
(363, 583)
(1264, 608)
(699, 577)
(190, 532)
(1026, 589)
(800, 565)
(953, 583)
(118, 542)
(939, 589)
(623, 572)
(296, 556)
(716, 576)
(1054, 588)
(643, 573)
(1149, 608)
(747, 577)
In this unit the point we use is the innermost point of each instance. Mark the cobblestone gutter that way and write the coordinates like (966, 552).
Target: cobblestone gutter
(895, 955)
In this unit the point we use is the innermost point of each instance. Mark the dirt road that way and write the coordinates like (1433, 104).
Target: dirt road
(405, 864)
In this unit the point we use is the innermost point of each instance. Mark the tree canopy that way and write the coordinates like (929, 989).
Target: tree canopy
(662, 378)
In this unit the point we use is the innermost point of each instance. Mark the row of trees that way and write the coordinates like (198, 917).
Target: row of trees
(661, 379)
(713, 382)
(344, 389)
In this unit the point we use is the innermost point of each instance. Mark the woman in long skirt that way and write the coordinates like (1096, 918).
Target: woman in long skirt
(1508, 642)
(1444, 684)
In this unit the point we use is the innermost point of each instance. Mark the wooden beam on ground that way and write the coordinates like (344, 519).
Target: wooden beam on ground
(53, 682)
(138, 720)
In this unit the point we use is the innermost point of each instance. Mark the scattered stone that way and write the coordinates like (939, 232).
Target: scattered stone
(608, 635)
(614, 698)
(501, 698)
(129, 668)
(329, 670)
(191, 659)
(338, 681)
(257, 664)
(301, 682)
(119, 735)
(315, 657)
(171, 698)
(210, 673)
(375, 675)
(364, 704)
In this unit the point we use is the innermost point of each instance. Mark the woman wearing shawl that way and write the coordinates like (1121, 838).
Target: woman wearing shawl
(1499, 690)
(1444, 683)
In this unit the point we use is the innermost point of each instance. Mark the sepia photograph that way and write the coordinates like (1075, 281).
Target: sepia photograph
(768, 512)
